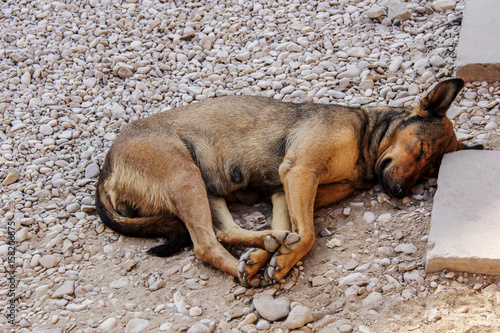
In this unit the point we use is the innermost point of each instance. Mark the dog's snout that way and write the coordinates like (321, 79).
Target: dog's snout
(397, 191)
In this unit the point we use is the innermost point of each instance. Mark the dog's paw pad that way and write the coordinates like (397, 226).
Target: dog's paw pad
(283, 241)
(250, 265)
(271, 243)
(292, 241)
(281, 235)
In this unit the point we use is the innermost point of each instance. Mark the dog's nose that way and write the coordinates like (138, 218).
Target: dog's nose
(397, 190)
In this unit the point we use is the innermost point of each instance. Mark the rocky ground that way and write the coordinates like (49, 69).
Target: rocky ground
(72, 75)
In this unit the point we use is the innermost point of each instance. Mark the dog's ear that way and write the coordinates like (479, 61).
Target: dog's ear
(437, 101)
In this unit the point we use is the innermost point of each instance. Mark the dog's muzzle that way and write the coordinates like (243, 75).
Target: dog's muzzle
(396, 190)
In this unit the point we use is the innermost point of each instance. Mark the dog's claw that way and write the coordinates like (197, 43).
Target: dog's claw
(241, 269)
(245, 256)
(270, 271)
(273, 261)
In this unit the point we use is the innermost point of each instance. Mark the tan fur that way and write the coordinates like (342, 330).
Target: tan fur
(185, 163)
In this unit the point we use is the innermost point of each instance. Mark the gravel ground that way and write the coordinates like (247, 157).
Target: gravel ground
(72, 75)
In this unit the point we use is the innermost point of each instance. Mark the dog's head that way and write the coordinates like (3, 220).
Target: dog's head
(414, 147)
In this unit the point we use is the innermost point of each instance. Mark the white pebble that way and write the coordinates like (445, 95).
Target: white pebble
(369, 217)
(26, 78)
(298, 317)
(406, 248)
(137, 325)
(108, 324)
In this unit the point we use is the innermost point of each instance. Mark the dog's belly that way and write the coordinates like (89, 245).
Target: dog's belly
(242, 179)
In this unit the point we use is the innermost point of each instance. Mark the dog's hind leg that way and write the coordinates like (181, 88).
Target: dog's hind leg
(180, 180)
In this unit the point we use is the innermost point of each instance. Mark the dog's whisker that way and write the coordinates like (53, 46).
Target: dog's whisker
(392, 204)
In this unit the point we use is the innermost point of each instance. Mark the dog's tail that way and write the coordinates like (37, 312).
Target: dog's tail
(168, 226)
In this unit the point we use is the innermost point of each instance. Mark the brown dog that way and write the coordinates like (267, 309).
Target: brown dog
(169, 175)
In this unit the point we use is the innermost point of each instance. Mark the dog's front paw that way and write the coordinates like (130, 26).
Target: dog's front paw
(280, 264)
(249, 267)
(283, 241)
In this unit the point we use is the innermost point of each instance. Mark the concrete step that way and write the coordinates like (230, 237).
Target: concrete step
(465, 222)
(478, 53)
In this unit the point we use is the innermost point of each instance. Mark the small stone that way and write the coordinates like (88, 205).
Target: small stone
(363, 268)
(437, 61)
(180, 303)
(371, 301)
(24, 323)
(406, 248)
(364, 329)
(21, 235)
(67, 288)
(491, 126)
(398, 10)
(110, 136)
(158, 284)
(385, 262)
(366, 84)
(249, 319)
(270, 308)
(72, 208)
(421, 64)
(26, 78)
(433, 315)
(195, 311)
(262, 325)
(12, 177)
(298, 317)
(48, 261)
(198, 328)
(318, 281)
(66, 135)
(123, 70)
(333, 243)
(243, 56)
(80, 291)
(292, 47)
(443, 5)
(224, 325)
(137, 325)
(345, 328)
(206, 43)
(129, 265)
(325, 233)
(375, 12)
(369, 217)
(117, 111)
(108, 324)
(120, 283)
(90, 82)
(352, 264)
(135, 45)
(357, 279)
(91, 170)
(76, 307)
(46, 129)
